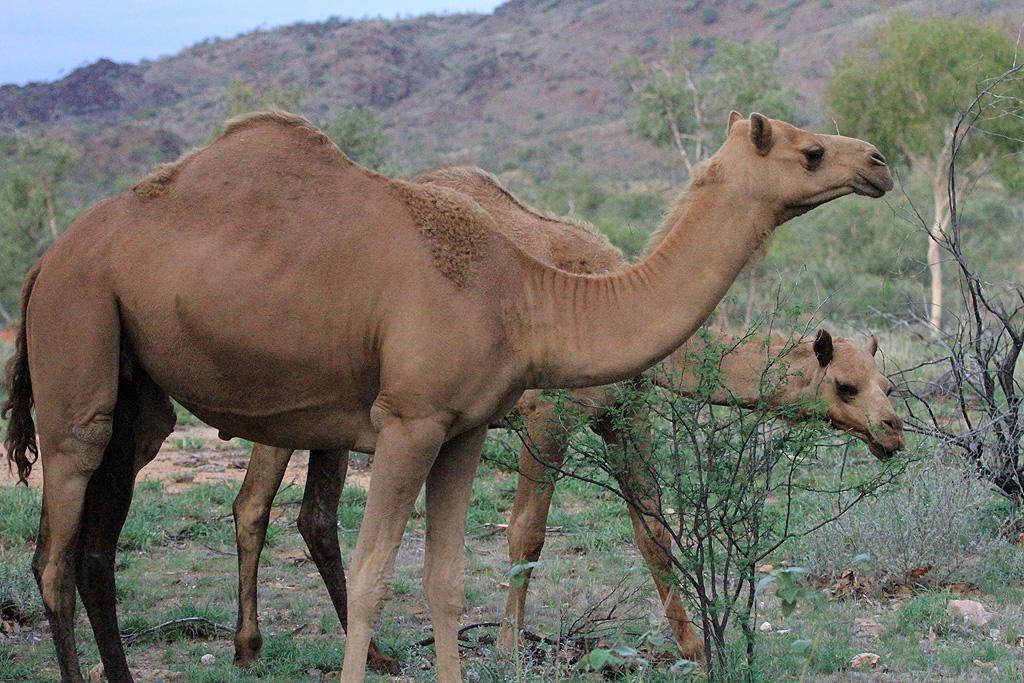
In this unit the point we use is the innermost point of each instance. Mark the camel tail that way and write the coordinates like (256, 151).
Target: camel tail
(20, 443)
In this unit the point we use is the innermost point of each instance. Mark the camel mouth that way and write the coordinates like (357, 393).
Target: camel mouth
(864, 185)
(875, 447)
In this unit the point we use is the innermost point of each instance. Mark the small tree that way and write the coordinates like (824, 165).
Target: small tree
(723, 482)
(244, 98)
(678, 107)
(976, 406)
(903, 90)
(32, 169)
(360, 133)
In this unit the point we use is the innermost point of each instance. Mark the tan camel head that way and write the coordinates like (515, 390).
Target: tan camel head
(793, 170)
(857, 393)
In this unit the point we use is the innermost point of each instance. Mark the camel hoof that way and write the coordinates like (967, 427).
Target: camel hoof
(246, 658)
(692, 651)
(380, 662)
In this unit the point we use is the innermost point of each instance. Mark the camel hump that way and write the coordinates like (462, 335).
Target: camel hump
(453, 224)
(157, 182)
(572, 245)
(278, 119)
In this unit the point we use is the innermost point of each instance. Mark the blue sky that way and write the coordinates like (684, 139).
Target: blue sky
(42, 40)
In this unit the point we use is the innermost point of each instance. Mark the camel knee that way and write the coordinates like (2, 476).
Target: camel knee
(250, 523)
(444, 593)
(85, 443)
(365, 601)
(524, 541)
(317, 527)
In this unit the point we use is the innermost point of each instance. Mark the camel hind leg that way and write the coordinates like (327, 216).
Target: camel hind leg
(142, 420)
(318, 524)
(652, 538)
(527, 524)
(73, 356)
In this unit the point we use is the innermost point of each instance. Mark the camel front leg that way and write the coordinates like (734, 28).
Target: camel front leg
(251, 509)
(318, 524)
(449, 486)
(405, 452)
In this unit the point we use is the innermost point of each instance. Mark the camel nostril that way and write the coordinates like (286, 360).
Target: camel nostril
(893, 423)
(876, 158)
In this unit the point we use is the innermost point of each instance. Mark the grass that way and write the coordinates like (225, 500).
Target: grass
(177, 560)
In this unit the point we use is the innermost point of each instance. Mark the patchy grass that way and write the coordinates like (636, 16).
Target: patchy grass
(177, 560)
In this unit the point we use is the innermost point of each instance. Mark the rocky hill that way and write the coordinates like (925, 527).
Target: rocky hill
(530, 83)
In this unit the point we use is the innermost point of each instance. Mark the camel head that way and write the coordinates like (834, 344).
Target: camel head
(791, 170)
(856, 392)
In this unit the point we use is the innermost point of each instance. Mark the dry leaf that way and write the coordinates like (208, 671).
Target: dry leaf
(917, 572)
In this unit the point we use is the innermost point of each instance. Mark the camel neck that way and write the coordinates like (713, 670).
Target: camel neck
(587, 330)
(748, 371)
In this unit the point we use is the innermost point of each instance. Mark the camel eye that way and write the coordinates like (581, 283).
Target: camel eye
(845, 391)
(813, 157)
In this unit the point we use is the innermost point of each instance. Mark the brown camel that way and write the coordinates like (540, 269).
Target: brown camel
(840, 374)
(424, 325)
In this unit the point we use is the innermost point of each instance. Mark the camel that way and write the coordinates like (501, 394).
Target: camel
(839, 373)
(425, 324)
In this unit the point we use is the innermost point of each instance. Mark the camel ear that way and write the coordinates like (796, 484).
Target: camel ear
(823, 347)
(734, 116)
(872, 345)
(761, 133)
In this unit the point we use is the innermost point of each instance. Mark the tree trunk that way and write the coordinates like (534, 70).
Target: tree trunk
(751, 297)
(940, 224)
(51, 213)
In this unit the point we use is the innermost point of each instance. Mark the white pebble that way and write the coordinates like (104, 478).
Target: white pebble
(765, 627)
(208, 660)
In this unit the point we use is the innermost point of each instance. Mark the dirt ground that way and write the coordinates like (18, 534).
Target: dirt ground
(194, 454)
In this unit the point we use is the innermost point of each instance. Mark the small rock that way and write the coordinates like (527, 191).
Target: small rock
(971, 612)
(96, 674)
(764, 568)
(315, 674)
(239, 463)
(865, 660)
(207, 660)
(765, 627)
(932, 635)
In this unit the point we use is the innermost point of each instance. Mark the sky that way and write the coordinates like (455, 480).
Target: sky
(43, 40)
